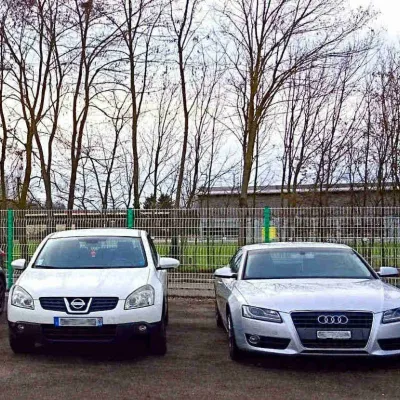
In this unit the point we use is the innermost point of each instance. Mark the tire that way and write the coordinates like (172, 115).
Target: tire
(21, 346)
(218, 318)
(166, 318)
(234, 352)
(158, 340)
(2, 296)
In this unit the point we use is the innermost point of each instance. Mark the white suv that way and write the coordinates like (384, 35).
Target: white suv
(96, 285)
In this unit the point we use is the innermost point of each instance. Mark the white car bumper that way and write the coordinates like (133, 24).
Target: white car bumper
(284, 338)
(117, 324)
(111, 317)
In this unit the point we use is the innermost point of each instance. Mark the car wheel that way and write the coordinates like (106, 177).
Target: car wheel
(158, 340)
(234, 352)
(2, 296)
(218, 317)
(21, 346)
(166, 318)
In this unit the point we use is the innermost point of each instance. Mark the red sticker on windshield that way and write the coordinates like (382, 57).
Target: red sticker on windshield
(93, 253)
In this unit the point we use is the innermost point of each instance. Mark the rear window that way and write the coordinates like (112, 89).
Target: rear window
(92, 252)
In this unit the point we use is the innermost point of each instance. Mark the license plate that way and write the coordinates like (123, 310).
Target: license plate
(60, 321)
(334, 335)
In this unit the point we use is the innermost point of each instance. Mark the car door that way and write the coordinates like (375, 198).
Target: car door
(224, 286)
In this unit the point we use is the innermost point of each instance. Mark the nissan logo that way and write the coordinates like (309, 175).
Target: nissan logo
(77, 304)
(333, 319)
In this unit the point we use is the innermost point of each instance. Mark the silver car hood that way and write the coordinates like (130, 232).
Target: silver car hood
(288, 295)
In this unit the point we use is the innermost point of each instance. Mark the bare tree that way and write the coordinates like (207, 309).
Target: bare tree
(92, 58)
(28, 32)
(204, 142)
(161, 144)
(184, 27)
(266, 44)
(5, 68)
(136, 30)
(104, 157)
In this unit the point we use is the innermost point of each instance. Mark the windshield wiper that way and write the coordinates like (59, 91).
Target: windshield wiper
(44, 266)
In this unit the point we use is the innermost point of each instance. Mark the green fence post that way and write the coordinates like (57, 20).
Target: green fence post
(130, 218)
(10, 246)
(267, 218)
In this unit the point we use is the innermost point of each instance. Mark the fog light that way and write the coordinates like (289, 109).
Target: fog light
(254, 339)
(142, 328)
(20, 327)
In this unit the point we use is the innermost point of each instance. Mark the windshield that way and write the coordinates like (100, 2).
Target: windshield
(92, 252)
(305, 263)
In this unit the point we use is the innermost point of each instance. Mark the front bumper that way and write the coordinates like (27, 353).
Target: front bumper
(118, 315)
(118, 324)
(283, 338)
(48, 334)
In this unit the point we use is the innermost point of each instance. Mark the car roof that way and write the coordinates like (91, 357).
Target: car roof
(97, 232)
(294, 245)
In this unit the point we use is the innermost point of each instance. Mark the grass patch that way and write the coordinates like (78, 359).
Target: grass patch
(193, 257)
(207, 257)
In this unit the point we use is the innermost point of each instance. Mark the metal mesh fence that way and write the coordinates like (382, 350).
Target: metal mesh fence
(202, 239)
(3, 237)
(373, 232)
(30, 227)
(205, 239)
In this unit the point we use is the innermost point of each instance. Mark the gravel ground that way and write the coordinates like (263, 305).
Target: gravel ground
(197, 366)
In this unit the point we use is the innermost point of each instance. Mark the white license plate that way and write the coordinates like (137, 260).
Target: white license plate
(334, 335)
(60, 321)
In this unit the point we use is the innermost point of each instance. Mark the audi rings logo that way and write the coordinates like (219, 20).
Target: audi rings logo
(333, 320)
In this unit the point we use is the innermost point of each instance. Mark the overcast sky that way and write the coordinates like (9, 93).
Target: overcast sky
(390, 13)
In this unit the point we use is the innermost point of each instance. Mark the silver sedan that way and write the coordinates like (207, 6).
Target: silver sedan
(307, 298)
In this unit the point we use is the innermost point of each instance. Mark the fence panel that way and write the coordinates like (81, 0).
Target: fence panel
(3, 238)
(373, 231)
(205, 239)
(32, 226)
(202, 239)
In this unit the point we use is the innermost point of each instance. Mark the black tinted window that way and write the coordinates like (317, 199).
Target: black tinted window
(153, 249)
(235, 261)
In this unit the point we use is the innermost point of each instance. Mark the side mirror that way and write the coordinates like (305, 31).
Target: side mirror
(388, 272)
(19, 265)
(225, 273)
(168, 263)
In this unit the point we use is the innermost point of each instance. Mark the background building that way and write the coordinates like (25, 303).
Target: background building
(339, 195)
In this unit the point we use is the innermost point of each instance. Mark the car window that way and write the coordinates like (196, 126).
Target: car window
(153, 249)
(235, 261)
(92, 252)
(305, 263)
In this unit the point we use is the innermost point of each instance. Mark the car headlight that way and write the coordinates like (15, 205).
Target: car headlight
(21, 298)
(391, 316)
(142, 297)
(262, 314)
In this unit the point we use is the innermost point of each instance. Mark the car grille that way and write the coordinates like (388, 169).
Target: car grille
(310, 320)
(98, 304)
(105, 333)
(389, 344)
(307, 326)
(103, 304)
(332, 343)
(53, 304)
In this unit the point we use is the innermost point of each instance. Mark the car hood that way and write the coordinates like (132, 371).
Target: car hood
(115, 282)
(288, 295)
